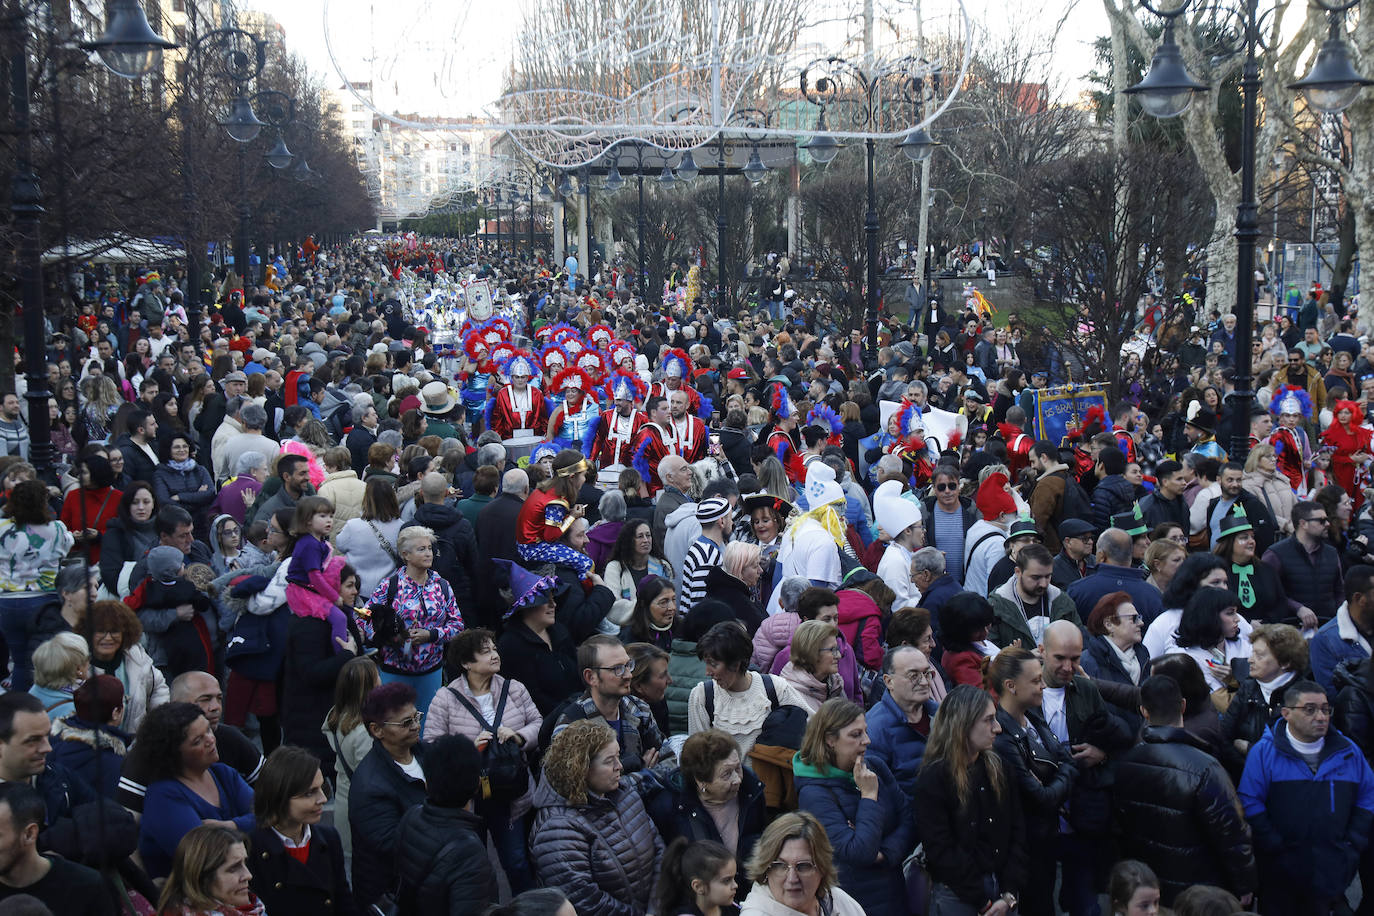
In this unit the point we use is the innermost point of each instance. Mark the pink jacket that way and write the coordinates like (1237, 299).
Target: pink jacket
(448, 716)
(858, 609)
(772, 636)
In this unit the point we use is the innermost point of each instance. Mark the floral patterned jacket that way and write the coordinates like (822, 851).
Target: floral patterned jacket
(430, 606)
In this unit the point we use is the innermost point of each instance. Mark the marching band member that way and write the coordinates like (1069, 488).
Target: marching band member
(619, 427)
(573, 423)
(654, 443)
(1293, 449)
(688, 432)
(518, 405)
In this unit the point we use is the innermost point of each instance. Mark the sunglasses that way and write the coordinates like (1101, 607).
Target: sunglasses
(945, 487)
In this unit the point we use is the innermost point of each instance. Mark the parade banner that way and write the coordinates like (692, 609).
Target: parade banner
(1059, 409)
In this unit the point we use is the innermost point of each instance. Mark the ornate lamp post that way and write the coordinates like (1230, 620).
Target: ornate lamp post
(861, 93)
(1168, 89)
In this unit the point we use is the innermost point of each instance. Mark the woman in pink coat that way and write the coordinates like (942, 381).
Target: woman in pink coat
(479, 692)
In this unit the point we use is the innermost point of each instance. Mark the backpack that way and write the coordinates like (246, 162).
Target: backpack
(772, 753)
(505, 775)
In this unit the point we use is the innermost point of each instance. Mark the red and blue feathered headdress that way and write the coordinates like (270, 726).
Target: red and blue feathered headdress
(572, 377)
(675, 363)
(824, 415)
(626, 385)
(600, 337)
(619, 352)
(519, 362)
(1291, 399)
(910, 426)
(553, 357)
(781, 402)
(592, 363)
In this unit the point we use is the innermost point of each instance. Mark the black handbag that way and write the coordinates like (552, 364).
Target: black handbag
(505, 774)
(386, 625)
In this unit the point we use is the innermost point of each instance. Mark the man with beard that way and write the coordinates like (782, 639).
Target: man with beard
(1027, 603)
(688, 432)
(620, 426)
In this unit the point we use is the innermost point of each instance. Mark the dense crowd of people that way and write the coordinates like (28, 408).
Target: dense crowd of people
(679, 610)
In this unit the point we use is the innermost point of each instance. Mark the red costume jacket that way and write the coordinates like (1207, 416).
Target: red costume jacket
(784, 446)
(649, 451)
(1294, 454)
(689, 437)
(616, 437)
(536, 523)
(505, 419)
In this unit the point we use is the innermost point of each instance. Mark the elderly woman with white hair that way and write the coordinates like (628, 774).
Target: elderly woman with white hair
(734, 579)
(59, 667)
(240, 492)
(411, 617)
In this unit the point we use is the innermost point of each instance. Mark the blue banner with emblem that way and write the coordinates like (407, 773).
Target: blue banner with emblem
(1059, 409)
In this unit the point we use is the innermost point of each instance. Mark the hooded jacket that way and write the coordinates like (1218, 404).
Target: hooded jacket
(1176, 809)
(1112, 495)
(95, 753)
(859, 829)
(604, 854)
(1010, 622)
(677, 811)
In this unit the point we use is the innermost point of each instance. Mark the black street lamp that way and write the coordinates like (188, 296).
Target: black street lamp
(1168, 89)
(835, 80)
(138, 51)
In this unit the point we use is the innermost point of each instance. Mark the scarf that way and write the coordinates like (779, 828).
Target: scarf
(1245, 589)
(827, 518)
(821, 771)
(1267, 688)
(188, 465)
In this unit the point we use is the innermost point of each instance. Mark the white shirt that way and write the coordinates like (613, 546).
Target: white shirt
(895, 569)
(413, 769)
(1052, 706)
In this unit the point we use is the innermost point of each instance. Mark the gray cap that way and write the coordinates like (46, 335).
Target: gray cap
(236, 376)
(165, 562)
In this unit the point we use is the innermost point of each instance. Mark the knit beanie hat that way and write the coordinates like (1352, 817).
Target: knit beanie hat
(165, 562)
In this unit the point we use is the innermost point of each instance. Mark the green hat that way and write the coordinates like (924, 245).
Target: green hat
(1235, 521)
(1133, 522)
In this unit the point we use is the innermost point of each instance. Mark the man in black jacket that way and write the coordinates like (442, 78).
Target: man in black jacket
(387, 783)
(1166, 504)
(1176, 809)
(455, 543)
(1233, 493)
(496, 535)
(441, 850)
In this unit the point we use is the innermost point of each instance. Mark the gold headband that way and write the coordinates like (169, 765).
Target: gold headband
(570, 470)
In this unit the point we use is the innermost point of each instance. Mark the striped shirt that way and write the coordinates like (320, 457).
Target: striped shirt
(701, 557)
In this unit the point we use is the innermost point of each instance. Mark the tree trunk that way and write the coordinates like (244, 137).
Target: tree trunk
(1222, 252)
(1345, 257)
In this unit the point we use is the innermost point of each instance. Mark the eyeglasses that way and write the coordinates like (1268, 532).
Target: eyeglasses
(918, 677)
(833, 650)
(804, 870)
(411, 722)
(1127, 618)
(945, 487)
(1312, 710)
(622, 670)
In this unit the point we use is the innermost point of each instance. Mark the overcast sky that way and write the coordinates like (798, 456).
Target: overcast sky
(446, 57)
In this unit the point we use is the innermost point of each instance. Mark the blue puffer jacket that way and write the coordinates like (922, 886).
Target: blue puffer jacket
(1305, 823)
(859, 829)
(894, 742)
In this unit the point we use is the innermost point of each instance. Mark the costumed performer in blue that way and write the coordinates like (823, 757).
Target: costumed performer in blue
(573, 424)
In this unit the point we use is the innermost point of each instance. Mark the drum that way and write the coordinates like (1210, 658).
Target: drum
(608, 478)
(521, 446)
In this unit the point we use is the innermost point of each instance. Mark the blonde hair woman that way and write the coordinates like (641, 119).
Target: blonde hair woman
(793, 871)
(59, 667)
(592, 837)
(813, 669)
